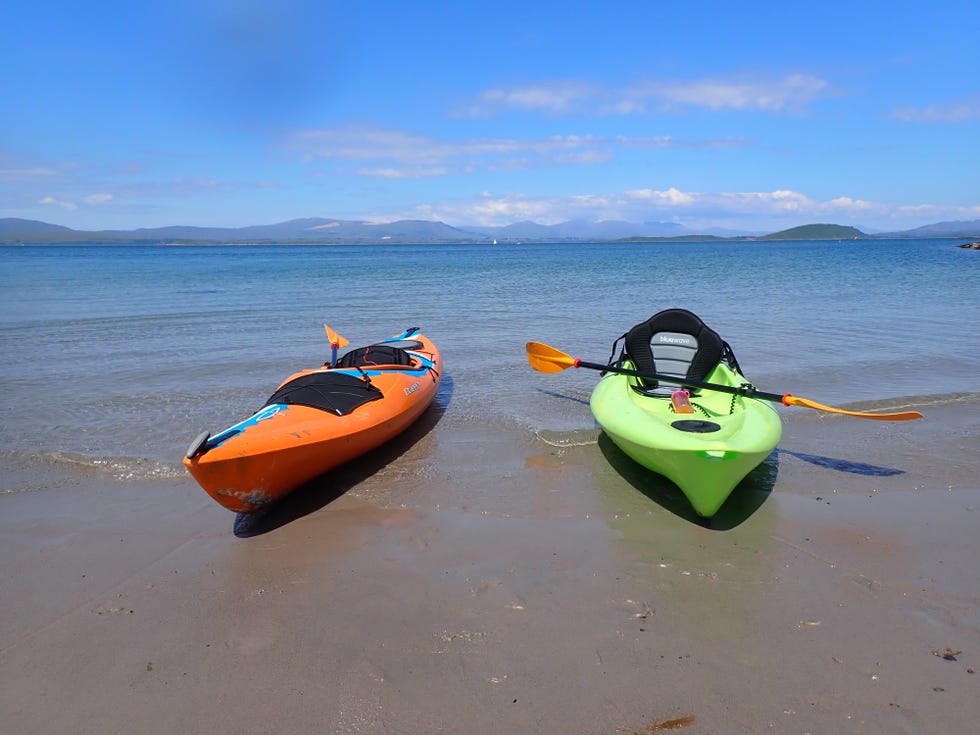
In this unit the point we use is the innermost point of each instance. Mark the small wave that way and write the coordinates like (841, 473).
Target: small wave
(902, 403)
(938, 399)
(572, 438)
(117, 468)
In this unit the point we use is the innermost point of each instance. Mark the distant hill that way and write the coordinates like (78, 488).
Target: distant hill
(965, 228)
(581, 230)
(17, 226)
(299, 230)
(327, 231)
(817, 232)
(343, 231)
(525, 230)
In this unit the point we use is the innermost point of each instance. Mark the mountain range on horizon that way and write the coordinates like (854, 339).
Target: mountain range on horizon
(325, 230)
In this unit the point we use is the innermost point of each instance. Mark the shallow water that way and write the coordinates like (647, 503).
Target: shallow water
(117, 356)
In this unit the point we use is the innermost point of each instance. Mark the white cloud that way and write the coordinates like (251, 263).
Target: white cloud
(382, 144)
(514, 209)
(27, 173)
(560, 97)
(788, 93)
(393, 154)
(669, 198)
(748, 210)
(590, 157)
(404, 173)
(846, 204)
(52, 202)
(91, 199)
(951, 112)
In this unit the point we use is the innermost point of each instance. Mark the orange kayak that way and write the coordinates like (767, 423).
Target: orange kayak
(318, 420)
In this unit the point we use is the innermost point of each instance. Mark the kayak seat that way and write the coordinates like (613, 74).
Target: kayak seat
(374, 355)
(337, 393)
(405, 344)
(673, 342)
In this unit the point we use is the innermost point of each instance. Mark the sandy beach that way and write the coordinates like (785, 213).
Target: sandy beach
(476, 582)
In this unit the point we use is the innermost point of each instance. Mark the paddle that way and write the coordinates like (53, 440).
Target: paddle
(336, 342)
(546, 359)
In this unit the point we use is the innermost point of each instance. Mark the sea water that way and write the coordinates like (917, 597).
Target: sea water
(120, 355)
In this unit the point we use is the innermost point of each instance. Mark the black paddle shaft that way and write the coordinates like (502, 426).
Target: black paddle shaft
(747, 390)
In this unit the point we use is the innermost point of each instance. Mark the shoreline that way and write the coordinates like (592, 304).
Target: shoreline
(471, 582)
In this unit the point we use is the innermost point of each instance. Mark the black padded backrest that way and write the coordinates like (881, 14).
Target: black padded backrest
(381, 354)
(404, 344)
(674, 342)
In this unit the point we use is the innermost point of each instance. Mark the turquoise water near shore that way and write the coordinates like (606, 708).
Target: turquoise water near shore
(120, 355)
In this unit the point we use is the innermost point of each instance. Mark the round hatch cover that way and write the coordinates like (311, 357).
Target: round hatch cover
(698, 427)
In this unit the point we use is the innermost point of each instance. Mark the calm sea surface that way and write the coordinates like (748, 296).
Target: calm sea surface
(122, 354)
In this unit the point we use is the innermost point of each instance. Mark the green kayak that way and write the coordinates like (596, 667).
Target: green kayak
(705, 441)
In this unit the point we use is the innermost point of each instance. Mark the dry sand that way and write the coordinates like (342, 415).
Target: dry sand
(481, 583)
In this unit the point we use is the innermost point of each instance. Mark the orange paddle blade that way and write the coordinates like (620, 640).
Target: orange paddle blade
(335, 339)
(807, 403)
(546, 359)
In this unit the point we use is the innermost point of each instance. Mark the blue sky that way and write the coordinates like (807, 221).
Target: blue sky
(747, 116)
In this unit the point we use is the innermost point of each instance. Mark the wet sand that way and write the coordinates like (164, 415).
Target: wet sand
(470, 581)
